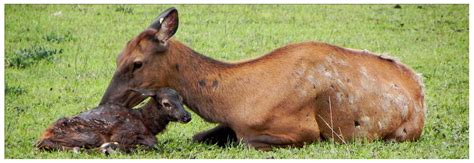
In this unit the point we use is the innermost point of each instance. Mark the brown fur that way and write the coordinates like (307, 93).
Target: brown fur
(296, 94)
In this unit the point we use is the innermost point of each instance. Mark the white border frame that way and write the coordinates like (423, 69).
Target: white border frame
(2, 57)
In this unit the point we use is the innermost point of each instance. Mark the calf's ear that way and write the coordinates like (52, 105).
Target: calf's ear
(145, 92)
(166, 24)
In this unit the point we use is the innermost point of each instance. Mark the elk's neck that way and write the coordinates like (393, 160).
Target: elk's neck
(153, 119)
(199, 79)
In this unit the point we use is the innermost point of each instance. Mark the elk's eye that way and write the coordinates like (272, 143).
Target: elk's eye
(137, 65)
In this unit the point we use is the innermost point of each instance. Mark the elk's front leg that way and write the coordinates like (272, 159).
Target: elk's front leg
(267, 142)
(220, 135)
(281, 130)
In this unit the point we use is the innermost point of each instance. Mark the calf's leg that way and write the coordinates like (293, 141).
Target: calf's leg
(148, 141)
(69, 141)
(128, 141)
(108, 147)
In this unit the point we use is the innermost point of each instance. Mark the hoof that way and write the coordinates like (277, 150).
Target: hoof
(76, 150)
(108, 148)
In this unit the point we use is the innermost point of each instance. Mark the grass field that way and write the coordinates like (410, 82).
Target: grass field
(60, 58)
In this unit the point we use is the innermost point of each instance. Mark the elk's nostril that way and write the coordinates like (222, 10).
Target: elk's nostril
(186, 119)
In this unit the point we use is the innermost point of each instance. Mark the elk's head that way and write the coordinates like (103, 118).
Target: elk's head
(144, 62)
(169, 103)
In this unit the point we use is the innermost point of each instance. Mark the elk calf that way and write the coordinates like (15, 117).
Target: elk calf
(114, 125)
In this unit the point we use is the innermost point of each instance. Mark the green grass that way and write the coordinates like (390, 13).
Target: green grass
(432, 39)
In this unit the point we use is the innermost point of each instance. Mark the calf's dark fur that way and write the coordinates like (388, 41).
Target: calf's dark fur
(111, 124)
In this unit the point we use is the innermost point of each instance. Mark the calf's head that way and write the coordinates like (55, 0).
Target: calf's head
(169, 102)
(144, 62)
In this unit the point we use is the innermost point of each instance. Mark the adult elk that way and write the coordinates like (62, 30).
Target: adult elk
(294, 95)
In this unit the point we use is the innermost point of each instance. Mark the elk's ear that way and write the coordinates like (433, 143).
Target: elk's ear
(166, 24)
(165, 103)
(145, 92)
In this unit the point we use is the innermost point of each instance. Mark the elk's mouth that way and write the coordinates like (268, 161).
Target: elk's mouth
(130, 100)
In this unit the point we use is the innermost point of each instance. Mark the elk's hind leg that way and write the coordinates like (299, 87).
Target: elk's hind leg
(69, 143)
(68, 137)
(220, 135)
(409, 130)
(336, 117)
(49, 145)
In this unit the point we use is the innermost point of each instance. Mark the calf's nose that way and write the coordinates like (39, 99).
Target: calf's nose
(186, 119)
